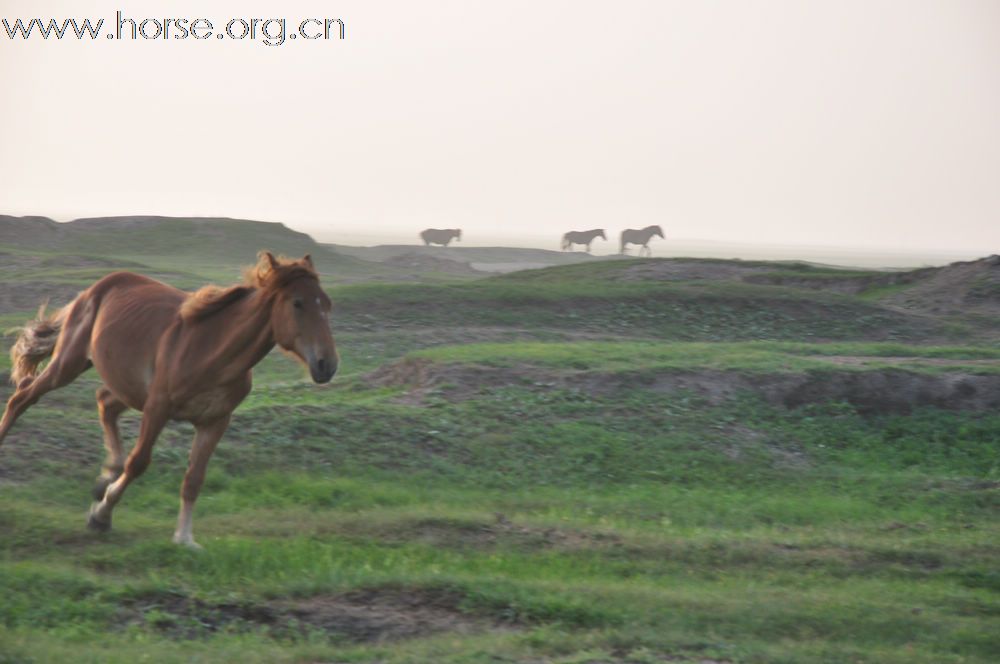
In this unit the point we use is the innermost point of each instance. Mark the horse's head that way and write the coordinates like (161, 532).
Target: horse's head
(457, 232)
(600, 234)
(300, 312)
(657, 230)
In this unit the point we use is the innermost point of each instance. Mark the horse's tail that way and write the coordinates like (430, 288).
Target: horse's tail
(35, 342)
(565, 242)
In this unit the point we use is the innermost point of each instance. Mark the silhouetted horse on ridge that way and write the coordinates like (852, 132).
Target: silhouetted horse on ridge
(633, 236)
(581, 237)
(440, 236)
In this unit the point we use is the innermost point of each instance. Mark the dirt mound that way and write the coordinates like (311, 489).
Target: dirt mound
(967, 286)
(424, 379)
(847, 284)
(681, 269)
(873, 391)
(426, 263)
(360, 616)
(958, 287)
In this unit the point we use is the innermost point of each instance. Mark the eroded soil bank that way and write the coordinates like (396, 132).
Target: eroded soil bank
(871, 391)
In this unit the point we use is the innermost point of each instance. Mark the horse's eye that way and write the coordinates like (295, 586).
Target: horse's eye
(297, 303)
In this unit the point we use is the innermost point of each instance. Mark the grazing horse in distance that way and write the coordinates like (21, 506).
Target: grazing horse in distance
(174, 356)
(633, 236)
(582, 237)
(440, 236)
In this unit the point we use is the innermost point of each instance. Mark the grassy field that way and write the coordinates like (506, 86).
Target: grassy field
(537, 520)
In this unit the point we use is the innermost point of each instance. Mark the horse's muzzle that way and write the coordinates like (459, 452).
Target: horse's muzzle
(322, 370)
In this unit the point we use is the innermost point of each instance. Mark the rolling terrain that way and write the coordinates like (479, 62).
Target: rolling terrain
(618, 461)
(188, 251)
(486, 259)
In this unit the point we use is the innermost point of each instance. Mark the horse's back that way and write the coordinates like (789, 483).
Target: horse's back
(126, 295)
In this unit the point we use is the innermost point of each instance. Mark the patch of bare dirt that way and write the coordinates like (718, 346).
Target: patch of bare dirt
(739, 441)
(426, 263)
(29, 450)
(848, 283)
(381, 615)
(28, 296)
(425, 379)
(502, 533)
(875, 391)
(855, 361)
(360, 616)
(673, 269)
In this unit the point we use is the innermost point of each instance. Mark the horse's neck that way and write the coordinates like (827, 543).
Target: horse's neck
(242, 336)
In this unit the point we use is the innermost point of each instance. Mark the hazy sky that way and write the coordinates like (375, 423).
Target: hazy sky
(868, 123)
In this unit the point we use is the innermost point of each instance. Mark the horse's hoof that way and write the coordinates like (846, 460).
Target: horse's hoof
(97, 524)
(188, 543)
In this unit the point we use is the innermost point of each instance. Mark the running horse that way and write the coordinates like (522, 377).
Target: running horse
(174, 356)
(581, 237)
(440, 236)
(633, 236)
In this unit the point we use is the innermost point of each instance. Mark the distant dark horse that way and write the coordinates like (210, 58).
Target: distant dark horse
(632, 236)
(440, 236)
(581, 237)
(174, 356)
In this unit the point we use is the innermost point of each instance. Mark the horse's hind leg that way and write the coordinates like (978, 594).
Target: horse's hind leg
(154, 418)
(69, 360)
(110, 409)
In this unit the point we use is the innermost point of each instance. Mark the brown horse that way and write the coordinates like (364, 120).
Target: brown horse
(174, 356)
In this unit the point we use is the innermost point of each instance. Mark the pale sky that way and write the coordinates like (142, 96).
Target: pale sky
(863, 123)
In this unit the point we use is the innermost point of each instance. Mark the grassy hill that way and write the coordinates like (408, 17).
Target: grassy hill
(184, 251)
(641, 461)
(227, 240)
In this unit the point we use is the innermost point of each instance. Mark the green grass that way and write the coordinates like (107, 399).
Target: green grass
(541, 524)
(661, 310)
(632, 527)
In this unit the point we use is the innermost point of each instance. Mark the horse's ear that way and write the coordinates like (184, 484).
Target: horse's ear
(271, 260)
(308, 260)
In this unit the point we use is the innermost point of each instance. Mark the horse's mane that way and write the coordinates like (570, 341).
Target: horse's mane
(269, 275)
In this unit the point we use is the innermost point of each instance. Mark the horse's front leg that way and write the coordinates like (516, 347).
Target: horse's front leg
(154, 418)
(205, 439)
